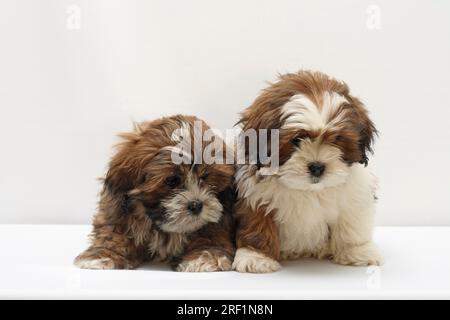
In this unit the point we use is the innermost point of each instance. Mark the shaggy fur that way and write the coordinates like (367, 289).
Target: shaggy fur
(320, 203)
(145, 209)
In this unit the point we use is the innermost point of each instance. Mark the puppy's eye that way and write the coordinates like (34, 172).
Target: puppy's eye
(338, 138)
(204, 176)
(173, 180)
(297, 141)
(299, 137)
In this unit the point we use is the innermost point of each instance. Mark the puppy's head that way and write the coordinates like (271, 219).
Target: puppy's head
(179, 198)
(323, 129)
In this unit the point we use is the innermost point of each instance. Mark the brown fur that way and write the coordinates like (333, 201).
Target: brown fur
(124, 235)
(256, 230)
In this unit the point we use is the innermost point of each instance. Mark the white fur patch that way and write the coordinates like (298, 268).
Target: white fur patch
(360, 255)
(206, 262)
(300, 112)
(247, 260)
(247, 178)
(98, 264)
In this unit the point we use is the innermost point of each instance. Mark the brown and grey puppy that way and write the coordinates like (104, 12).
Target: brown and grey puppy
(154, 209)
(320, 202)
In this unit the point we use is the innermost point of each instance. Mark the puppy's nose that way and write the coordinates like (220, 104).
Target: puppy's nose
(316, 169)
(195, 206)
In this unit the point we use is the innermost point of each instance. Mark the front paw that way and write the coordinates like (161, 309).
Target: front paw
(206, 262)
(101, 259)
(99, 263)
(247, 260)
(363, 255)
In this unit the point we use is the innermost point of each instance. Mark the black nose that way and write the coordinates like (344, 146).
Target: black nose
(316, 169)
(195, 206)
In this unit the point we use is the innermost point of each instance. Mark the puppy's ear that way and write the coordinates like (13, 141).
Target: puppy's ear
(367, 131)
(124, 173)
(121, 175)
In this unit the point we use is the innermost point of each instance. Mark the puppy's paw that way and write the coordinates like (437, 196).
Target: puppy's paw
(205, 262)
(247, 260)
(363, 255)
(95, 263)
(101, 259)
(294, 255)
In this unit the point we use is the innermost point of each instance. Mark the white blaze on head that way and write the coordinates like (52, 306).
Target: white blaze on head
(302, 113)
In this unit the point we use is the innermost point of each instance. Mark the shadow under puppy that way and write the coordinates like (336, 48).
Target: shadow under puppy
(154, 209)
(320, 202)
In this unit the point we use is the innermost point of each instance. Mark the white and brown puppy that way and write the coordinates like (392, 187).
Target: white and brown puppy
(154, 209)
(320, 203)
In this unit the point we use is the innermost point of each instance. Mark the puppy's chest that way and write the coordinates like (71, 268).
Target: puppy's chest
(304, 219)
(164, 246)
(157, 244)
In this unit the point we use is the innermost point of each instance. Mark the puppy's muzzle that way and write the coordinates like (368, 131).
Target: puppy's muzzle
(316, 169)
(195, 206)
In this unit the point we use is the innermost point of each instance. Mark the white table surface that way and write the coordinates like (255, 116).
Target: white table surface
(36, 262)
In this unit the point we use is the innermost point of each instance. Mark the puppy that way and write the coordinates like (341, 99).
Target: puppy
(154, 209)
(320, 202)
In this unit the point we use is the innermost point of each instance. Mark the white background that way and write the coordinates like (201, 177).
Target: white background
(65, 92)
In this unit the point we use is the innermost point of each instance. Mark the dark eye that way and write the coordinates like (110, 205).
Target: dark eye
(173, 180)
(297, 141)
(299, 137)
(204, 176)
(338, 138)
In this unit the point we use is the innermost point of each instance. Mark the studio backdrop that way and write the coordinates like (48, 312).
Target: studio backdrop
(75, 73)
